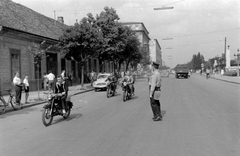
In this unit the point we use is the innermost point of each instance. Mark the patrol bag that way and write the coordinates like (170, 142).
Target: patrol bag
(157, 93)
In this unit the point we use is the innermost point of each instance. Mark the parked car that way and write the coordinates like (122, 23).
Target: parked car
(164, 73)
(101, 83)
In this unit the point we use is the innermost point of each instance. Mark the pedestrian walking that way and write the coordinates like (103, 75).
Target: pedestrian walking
(18, 87)
(155, 92)
(51, 78)
(26, 89)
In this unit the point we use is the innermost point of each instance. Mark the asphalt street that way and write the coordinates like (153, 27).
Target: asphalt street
(200, 118)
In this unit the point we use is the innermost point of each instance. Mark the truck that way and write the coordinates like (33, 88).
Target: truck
(181, 71)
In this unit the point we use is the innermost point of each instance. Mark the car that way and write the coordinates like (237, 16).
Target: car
(100, 83)
(165, 73)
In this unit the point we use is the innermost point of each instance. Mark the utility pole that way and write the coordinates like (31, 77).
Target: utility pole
(225, 49)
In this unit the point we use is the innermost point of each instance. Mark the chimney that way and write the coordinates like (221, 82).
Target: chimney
(60, 19)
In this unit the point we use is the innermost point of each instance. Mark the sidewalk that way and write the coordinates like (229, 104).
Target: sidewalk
(36, 98)
(230, 79)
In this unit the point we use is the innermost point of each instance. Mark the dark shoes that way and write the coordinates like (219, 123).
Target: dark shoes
(159, 118)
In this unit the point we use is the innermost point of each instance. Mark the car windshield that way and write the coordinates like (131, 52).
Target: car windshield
(102, 76)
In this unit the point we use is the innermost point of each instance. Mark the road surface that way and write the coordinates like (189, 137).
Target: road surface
(200, 118)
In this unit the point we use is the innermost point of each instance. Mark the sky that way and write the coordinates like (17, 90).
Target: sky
(194, 25)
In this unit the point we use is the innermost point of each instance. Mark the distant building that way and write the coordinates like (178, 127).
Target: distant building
(141, 32)
(155, 51)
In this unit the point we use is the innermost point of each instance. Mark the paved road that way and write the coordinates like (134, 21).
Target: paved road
(200, 118)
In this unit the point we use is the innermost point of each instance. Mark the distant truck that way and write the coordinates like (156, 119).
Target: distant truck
(181, 71)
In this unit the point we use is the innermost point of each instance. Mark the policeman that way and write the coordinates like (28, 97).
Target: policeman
(155, 91)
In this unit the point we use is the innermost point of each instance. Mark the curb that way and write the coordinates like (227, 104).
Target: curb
(42, 102)
(223, 80)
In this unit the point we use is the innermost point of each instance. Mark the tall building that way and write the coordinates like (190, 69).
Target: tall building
(155, 51)
(141, 32)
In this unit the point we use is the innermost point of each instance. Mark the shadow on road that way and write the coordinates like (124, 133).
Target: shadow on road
(59, 119)
(163, 112)
(17, 112)
(134, 97)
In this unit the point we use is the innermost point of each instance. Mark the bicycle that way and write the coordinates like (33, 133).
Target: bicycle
(11, 100)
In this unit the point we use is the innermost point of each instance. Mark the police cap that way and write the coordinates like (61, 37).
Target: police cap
(155, 64)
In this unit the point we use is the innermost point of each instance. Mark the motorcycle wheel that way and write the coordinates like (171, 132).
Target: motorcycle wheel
(129, 95)
(108, 92)
(67, 113)
(113, 92)
(124, 96)
(46, 117)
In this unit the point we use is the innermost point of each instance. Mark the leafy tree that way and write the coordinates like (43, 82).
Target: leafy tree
(80, 41)
(197, 60)
(113, 36)
(145, 55)
(38, 51)
(131, 54)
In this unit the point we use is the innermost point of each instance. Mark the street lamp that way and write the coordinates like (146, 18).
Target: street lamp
(237, 59)
(163, 8)
(167, 38)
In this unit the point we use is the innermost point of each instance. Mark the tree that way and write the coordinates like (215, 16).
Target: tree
(38, 51)
(79, 42)
(113, 36)
(131, 54)
(145, 55)
(197, 60)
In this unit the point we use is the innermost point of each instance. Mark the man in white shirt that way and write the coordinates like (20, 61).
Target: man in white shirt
(51, 78)
(18, 87)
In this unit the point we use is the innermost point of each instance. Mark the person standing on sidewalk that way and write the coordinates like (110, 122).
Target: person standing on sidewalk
(155, 91)
(51, 78)
(26, 89)
(45, 81)
(18, 87)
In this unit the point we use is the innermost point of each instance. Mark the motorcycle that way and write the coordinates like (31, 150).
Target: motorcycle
(126, 91)
(111, 89)
(54, 108)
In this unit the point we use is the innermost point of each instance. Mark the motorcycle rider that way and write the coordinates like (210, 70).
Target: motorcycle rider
(112, 79)
(61, 87)
(129, 79)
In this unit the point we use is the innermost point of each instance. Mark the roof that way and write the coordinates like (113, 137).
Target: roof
(131, 23)
(21, 18)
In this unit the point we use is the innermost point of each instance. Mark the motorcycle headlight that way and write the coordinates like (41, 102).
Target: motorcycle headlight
(124, 83)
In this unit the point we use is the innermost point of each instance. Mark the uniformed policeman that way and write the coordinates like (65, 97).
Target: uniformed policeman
(155, 91)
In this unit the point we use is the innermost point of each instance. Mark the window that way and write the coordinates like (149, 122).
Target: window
(15, 62)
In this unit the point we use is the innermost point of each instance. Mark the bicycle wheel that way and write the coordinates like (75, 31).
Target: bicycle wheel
(15, 106)
(2, 107)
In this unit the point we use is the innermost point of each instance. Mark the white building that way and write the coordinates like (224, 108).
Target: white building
(155, 51)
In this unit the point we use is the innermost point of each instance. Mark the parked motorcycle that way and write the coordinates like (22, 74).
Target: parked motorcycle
(54, 108)
(126, 91)
(111, 89)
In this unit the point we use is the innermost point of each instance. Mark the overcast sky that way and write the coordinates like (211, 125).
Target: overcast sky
(195, 25)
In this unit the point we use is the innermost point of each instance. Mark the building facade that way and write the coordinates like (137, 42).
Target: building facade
(21, 28)
(155, 51)
(141, 32)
